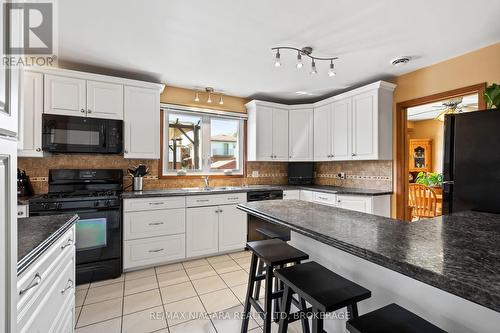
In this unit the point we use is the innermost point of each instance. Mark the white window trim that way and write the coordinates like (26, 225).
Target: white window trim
(205, 148)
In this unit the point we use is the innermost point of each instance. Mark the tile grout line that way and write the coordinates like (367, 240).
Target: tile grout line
(161, 299)
(123, 305)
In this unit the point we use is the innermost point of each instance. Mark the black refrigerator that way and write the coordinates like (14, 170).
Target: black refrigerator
(471, 168)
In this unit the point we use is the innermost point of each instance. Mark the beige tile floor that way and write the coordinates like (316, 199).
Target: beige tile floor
(176, 298)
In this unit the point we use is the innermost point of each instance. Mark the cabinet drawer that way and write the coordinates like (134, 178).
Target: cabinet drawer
(154, 223)
(22, 211)
(291, 195)
(133, 205)
(324, 198)
(306, 195)
(155, 250)
(215, 199)
(55, 293)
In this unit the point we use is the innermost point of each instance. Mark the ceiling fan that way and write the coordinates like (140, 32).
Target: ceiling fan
(454, 106)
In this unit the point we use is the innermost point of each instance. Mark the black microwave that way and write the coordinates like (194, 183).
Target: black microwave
(70, 134)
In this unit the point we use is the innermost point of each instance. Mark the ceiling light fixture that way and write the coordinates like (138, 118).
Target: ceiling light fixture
(209, 91)
(197, 96)
(305, 51)
(221, 101)
(400, 61)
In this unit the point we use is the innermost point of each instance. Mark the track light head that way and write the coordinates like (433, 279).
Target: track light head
(331, 72)
(277, 61)
(299, 60)
(313, 67)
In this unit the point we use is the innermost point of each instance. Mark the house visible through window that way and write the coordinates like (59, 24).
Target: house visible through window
(202, 144)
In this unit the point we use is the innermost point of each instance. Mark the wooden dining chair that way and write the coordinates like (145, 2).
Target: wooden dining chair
(423, 200)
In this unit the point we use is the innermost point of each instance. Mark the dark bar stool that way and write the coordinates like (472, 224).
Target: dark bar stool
(391, 318)
(273, 253)
(322, 288)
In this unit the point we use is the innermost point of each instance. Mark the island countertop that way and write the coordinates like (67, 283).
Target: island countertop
(36, 234)
(457, 253)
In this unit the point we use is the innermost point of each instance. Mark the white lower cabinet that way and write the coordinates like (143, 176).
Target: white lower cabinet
(306, 195)
(46, 290)
(355, 202)
(291, 195)
(165, 229)
(232, 228)
(377, 205)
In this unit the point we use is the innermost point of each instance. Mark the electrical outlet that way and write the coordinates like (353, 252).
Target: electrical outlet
(255, 173)
(341, 175)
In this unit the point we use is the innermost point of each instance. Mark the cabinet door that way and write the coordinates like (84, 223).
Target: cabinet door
(142, 123)
(357, 203)
(306, 195)
(280, 134)
(301, 135)
(264, 133)
(8, 233)
(291, 195)
(104, 100)
(322, 133)
(202, 231)
(232, 228)
(32, 115)
(64, 96)
(341, 130)
(365, 124)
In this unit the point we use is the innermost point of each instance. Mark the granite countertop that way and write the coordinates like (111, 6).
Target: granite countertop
(458, 253)
(36, 234)
(235, 189)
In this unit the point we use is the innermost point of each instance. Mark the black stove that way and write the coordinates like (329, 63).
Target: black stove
(95, 195)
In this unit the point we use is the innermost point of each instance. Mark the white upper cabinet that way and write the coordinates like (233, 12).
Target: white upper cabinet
(280, 134)
(323, 133)
(341, 130)
(64, 95)
(104, 100)
(142, 123)
(301, 135)
(32, 108)
(365, 125)
(267, 131)
(356, 125)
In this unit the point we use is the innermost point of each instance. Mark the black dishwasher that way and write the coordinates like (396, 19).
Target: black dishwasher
(255, 223)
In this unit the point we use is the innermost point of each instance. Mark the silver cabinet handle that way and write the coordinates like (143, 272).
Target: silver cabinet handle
(202, 200)
(38, 149)
(35, 282)
(20, 213)
(353, 154)
(322, 198)
(125, 151)
(68, 243)
(89, 111)
(155, 223)
(157, 250)
(82, 110)
(156, 203)
(69, 285)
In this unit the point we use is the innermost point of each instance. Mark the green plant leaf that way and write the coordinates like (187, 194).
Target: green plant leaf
(492, 96)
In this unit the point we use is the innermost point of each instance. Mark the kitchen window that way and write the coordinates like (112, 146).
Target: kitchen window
(198, 143)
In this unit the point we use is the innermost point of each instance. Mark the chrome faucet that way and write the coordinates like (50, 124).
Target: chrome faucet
(207, 181)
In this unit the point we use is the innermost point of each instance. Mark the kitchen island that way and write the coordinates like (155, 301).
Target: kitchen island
(446, 269)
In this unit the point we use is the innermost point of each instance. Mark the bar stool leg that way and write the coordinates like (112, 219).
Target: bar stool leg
(304, 320)
(268, 300)
(286, 304)
(353, 311)
(251, 282)
(277, 301)
(260, 270)
(317, 322)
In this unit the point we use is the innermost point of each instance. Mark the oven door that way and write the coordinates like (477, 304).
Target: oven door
(69, 134)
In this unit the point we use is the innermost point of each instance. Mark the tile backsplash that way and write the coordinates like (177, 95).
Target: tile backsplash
(359, 174)
(38, 170)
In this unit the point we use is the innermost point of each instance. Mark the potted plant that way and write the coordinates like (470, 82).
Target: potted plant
(491, 96)
(430, 179)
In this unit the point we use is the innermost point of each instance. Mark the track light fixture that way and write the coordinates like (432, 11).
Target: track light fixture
(305, 51)
(209, 91)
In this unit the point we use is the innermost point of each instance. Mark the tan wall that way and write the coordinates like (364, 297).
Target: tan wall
(430, 129)
(183, 96)
(475, 67)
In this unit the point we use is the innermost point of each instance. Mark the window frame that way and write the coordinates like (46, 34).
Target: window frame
(205, 145)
